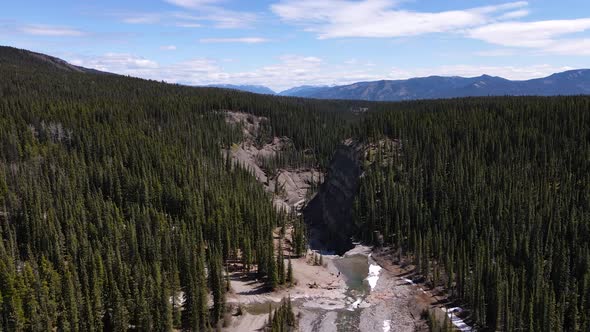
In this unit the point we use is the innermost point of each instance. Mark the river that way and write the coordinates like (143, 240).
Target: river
(328, 314)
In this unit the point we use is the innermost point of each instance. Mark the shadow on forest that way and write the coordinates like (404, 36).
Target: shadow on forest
(250, 279)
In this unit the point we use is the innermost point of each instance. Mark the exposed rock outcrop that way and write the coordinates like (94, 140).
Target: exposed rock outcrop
(289, 186)
(329, 214)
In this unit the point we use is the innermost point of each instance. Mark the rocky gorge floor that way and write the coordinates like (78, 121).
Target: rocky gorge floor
(341, 295)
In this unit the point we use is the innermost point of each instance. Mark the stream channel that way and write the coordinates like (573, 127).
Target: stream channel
(326, 315)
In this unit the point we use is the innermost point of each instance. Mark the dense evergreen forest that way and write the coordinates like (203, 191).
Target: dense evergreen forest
(118, 207)
(490, 198)
(117, 204)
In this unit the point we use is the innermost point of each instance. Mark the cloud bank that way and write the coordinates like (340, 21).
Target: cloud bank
(292, 70)
(495, 24)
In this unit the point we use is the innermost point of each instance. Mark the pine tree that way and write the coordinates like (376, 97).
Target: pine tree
(273, 276)
(110, 185)
(280, 264)
(290, 272)
(217, 284)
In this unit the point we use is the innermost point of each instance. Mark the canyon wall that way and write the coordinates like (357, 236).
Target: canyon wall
(329, 214)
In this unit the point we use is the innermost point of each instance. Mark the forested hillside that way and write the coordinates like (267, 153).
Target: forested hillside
(118, 208)
(490, 199)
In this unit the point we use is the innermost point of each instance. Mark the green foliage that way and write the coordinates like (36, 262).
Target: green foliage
(298, 235)
(116, 199)
(282, 319)
(489, 197)
(289, 278)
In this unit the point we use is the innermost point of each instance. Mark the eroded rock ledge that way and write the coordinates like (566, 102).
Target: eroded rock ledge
(290, 187)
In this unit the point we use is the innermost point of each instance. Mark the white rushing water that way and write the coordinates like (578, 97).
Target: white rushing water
(386, 325)
(408, 281)
(373, 277)
(355, 304)
(458, 322)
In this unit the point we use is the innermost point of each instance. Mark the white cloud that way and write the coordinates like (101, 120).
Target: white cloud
(244, 40)
(120, 63)
(515, 14)
(382, 18)
(289, 70)
(528, 34)
(50, 31)
(231, 19)
(182, 20)
(543, 36)
(192, 71)
(577, 46)
(193, 14)
(192, 4)
(210, 11)
(168, 48)
(516, 5)
(495, 24)
(188, 25)
(496, 53)
(149, 18)
(294, 70)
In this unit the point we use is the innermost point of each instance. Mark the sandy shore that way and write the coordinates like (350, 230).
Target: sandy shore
(319, 286)
(325, 280)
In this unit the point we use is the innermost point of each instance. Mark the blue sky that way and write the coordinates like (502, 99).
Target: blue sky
(286, 43)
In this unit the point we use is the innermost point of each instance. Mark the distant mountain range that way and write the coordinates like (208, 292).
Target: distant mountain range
(248, 88)
(303, 91)
(573, 82)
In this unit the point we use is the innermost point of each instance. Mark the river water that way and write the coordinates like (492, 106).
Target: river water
(345, 317)
(355, 269)
(360, 273)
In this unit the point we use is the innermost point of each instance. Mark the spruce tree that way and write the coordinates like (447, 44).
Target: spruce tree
(290, 272)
